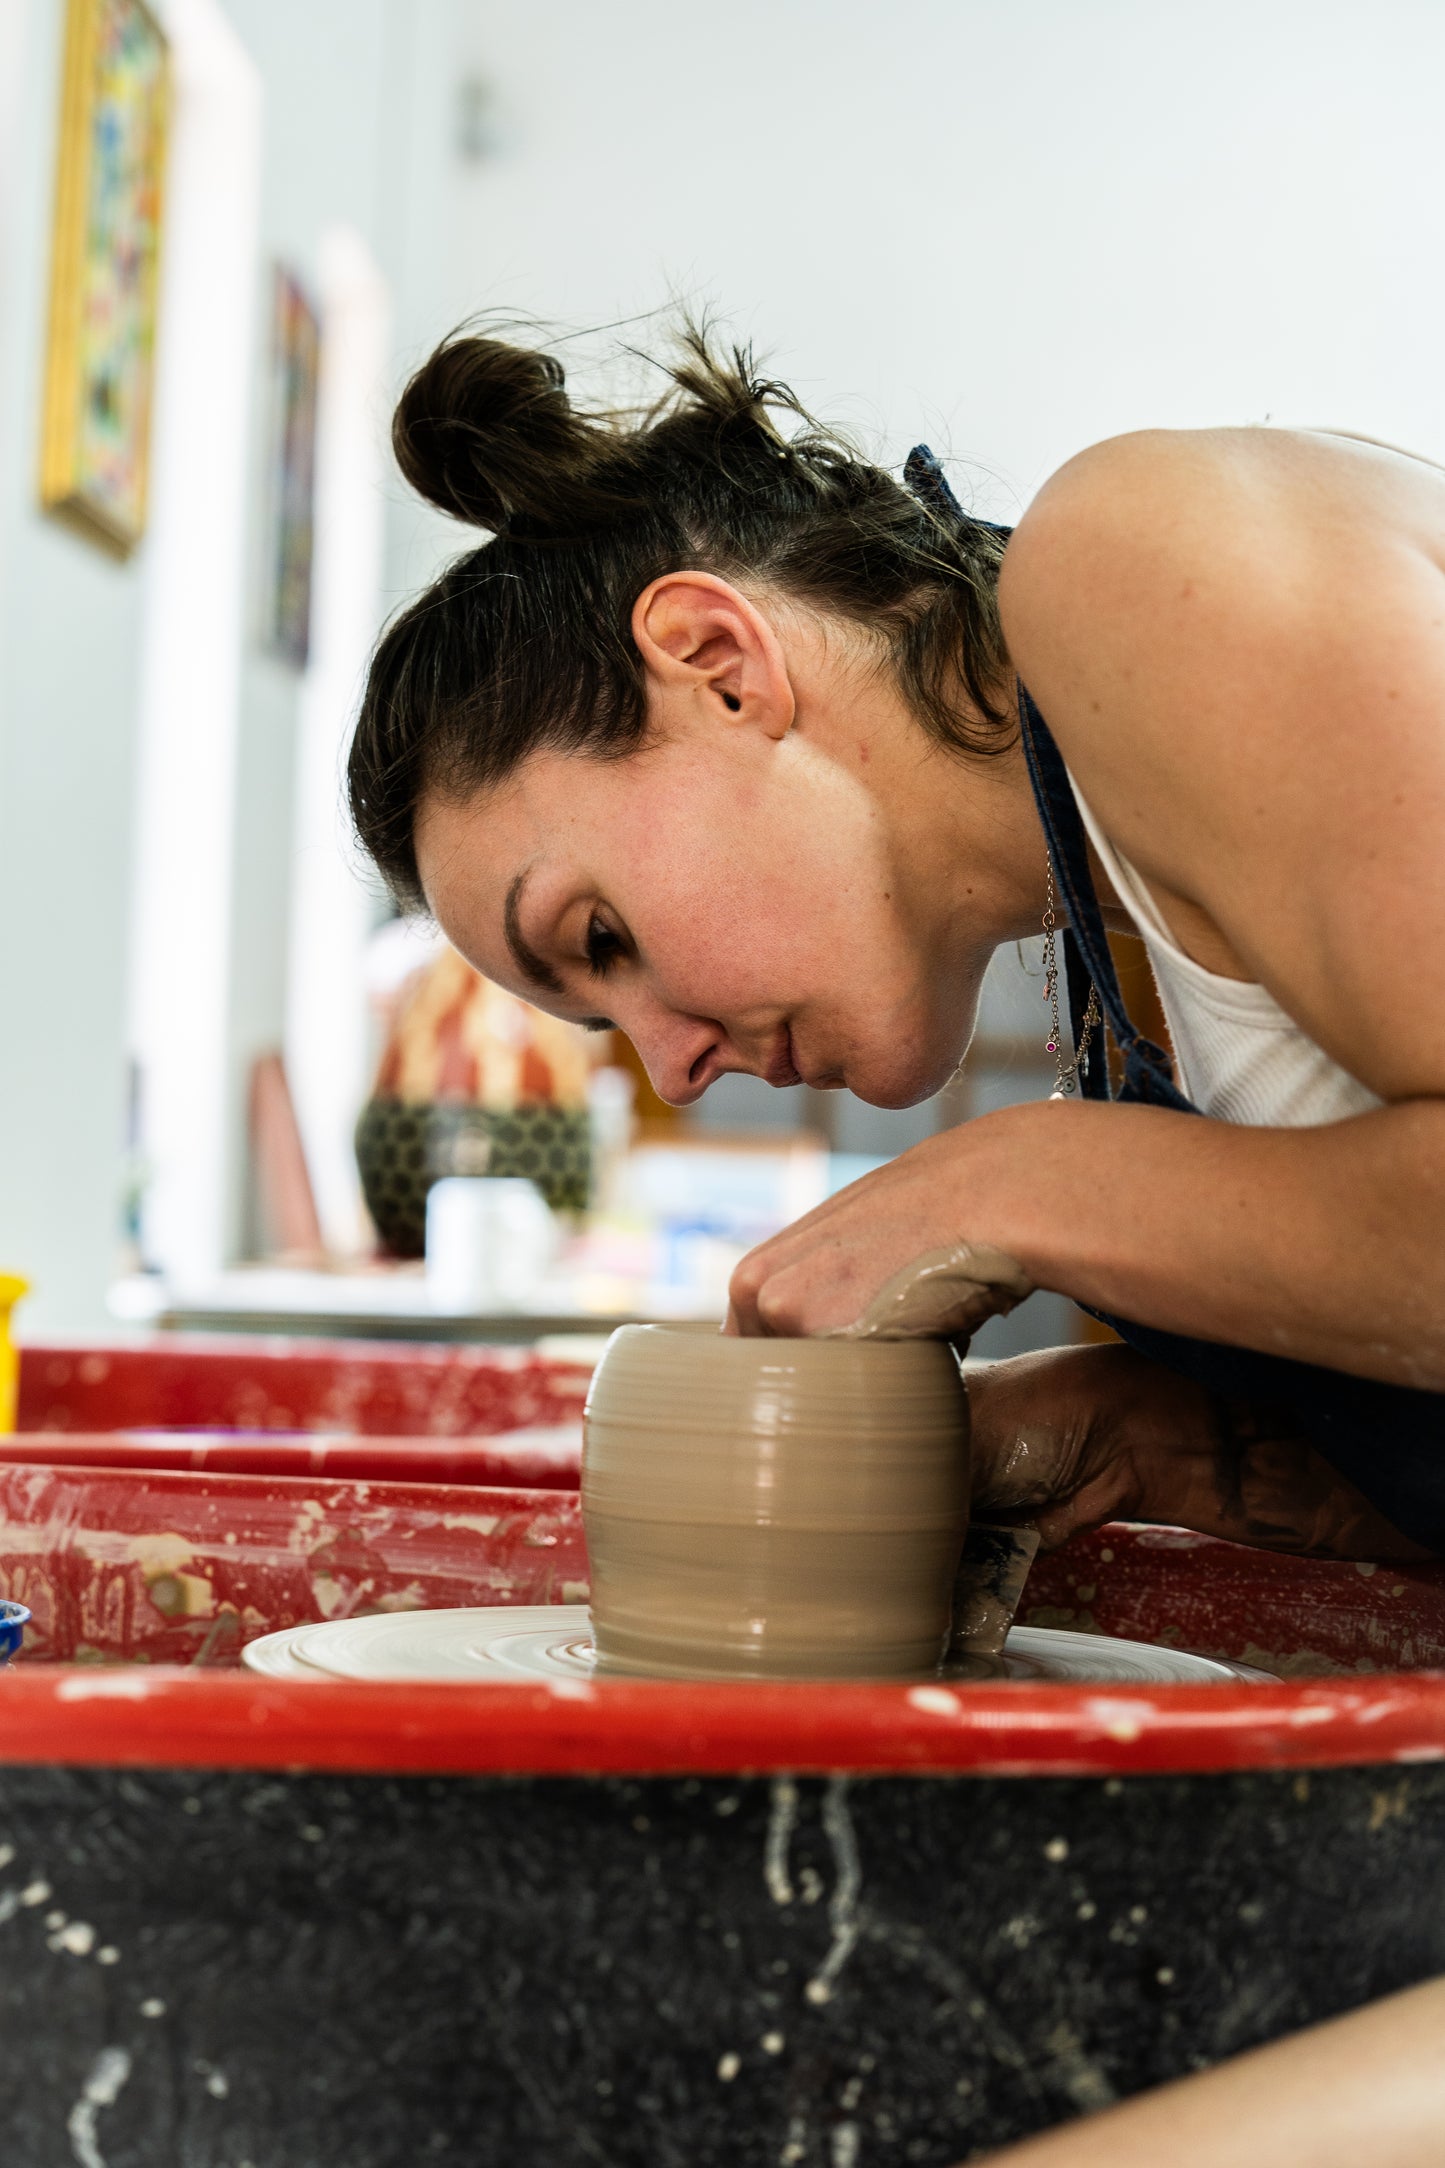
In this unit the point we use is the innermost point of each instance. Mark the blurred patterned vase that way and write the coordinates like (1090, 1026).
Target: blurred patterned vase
(472, 1081)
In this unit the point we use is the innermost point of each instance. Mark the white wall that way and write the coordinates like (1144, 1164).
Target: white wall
(1012, 225)
(357, 161)
(343, 83)
(194, 635)
(69, 653)
(327, 1036)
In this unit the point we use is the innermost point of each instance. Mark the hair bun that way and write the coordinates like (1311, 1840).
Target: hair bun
(487, 433)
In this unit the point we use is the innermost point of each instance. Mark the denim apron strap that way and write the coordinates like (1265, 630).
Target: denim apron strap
(1147, 1072)
(925, 479)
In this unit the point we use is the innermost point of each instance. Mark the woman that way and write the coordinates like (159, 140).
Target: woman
(731, 740)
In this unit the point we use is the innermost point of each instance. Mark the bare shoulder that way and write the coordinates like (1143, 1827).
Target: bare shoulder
(1165, 584)
(1128, 474)
(1238, 639)
(1256, 511)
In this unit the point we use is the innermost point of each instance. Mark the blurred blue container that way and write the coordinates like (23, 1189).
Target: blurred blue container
(12, 1629)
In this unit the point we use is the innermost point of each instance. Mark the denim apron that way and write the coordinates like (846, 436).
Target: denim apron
(1388, 1440)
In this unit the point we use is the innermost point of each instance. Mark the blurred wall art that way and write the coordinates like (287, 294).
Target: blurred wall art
(295, 367)
(104, 262)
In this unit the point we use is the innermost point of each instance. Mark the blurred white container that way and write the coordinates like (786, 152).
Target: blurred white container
(611, 1103)
(489, 1242)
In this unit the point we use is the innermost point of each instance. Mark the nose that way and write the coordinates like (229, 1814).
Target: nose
(681, 1054)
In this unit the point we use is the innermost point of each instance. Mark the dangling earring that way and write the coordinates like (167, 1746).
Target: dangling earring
(1065, 1076)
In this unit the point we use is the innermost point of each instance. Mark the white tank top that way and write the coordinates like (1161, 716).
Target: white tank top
(1237, 1055)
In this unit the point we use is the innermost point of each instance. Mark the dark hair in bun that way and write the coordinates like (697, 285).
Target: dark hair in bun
(526, 641)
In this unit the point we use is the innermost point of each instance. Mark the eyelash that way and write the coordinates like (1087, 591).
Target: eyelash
(604, 946)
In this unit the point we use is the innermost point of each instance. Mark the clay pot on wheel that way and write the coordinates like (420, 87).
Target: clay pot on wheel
(773, 1508)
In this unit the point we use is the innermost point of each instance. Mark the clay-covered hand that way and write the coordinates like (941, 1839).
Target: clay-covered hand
(884, 1258)
(1058, 1444)
(1076, 1436)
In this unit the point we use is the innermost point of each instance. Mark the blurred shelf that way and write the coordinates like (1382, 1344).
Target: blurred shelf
(379, 1305)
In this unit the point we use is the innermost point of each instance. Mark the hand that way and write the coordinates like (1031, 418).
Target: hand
(823, 1273)
(1076, 1436)
(1054, 1446)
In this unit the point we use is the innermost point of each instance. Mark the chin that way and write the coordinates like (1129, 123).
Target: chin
(908, 1061)
(896, 1085)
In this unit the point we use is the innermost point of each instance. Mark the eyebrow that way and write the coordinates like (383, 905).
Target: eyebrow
(528, 962)
(524, 956)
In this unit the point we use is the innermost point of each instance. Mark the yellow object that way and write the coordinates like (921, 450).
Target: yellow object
(12, 1287)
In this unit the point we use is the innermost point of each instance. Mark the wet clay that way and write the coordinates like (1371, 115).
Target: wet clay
(986, 1591)
(773, 1508)
(946, 1294)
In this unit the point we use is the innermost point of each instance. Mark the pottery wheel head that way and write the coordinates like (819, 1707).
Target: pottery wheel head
(553, 1642)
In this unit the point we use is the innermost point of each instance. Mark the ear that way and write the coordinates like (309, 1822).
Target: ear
(698, 635)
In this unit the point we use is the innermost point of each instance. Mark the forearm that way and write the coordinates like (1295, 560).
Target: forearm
(1369, 2087)
(1322, 1244)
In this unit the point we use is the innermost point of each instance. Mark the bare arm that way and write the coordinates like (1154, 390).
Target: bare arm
(1322, 1244)
(1369, 2087)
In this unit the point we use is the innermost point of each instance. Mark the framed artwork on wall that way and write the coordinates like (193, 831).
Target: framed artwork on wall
(296, 369)
(105, 261)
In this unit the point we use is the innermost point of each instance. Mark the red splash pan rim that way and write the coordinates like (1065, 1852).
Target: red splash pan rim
(160, 1717)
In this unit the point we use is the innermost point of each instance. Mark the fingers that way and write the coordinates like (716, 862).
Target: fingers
(768, 1294)
(821, 1291)
(820, 1274)
(743, 1289)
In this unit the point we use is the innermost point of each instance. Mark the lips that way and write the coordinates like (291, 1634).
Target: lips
(782, 1070)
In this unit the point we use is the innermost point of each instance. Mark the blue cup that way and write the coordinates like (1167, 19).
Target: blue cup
(12, 1629)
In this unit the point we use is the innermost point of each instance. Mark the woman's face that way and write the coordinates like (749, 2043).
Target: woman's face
(772, 884)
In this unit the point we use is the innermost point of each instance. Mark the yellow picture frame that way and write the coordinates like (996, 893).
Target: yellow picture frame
(105, 271)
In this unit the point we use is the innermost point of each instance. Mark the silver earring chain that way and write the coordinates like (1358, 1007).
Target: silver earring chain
(1066, 1074)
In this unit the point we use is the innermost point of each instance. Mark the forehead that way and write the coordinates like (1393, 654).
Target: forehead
(479, 839)
(470, 853)
(470, 846)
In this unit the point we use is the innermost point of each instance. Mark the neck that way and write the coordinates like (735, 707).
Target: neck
(963, 834)
(973, 837)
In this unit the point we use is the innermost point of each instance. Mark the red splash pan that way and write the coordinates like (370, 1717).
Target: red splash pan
(145, 1584)
(155, 1516)
(548, 1458)
(179, 1381)
(229, 1720)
